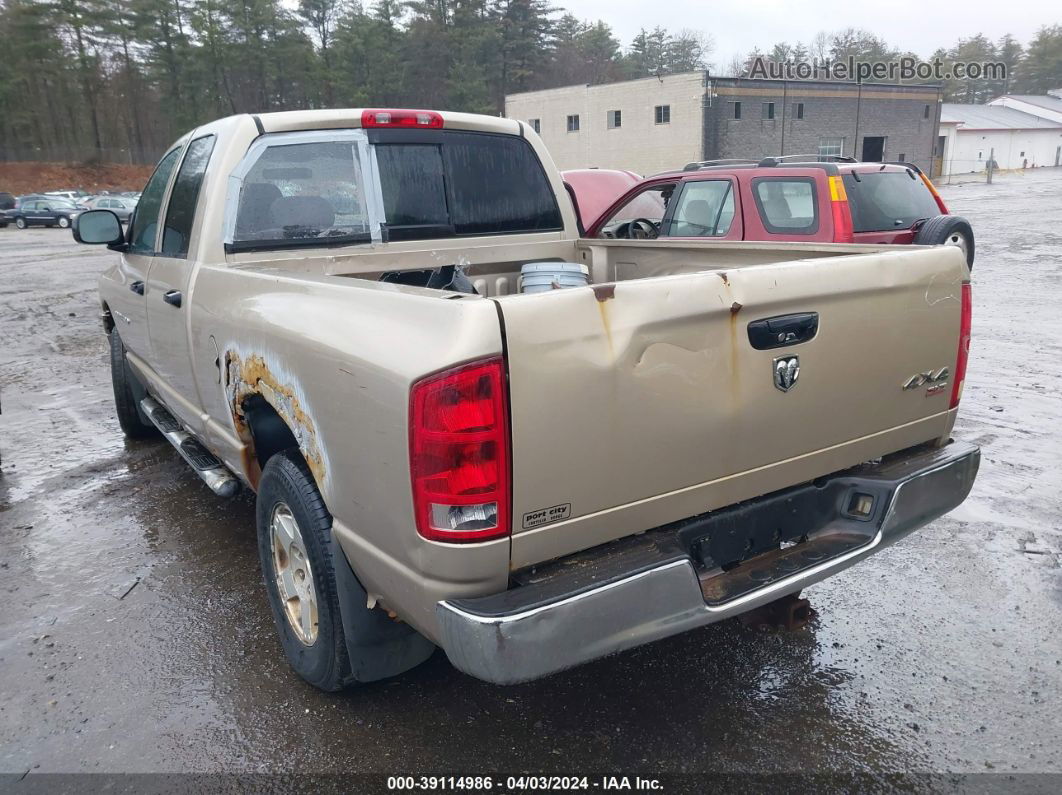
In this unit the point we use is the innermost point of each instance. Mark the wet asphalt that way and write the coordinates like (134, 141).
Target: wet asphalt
(135, 635)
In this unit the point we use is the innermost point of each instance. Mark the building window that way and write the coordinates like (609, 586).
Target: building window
(831, 147)
(925, 113)
(736, 112)
(615, 119)
(536, 124)
(903, 157)
(768, 110)
(662, 114)
(573, 123)
(1021, 154)
(799, 111)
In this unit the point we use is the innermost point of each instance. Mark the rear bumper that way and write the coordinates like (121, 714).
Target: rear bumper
(656, 585)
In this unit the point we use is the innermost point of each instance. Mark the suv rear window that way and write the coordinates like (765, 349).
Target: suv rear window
(886, 200)
(464, 184)
(787, 205)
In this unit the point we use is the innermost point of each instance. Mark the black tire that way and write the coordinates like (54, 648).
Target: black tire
(287, 480)
(20, 223)
(128, 392)
(946, 230)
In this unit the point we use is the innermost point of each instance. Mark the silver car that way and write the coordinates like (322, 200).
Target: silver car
(119, 205)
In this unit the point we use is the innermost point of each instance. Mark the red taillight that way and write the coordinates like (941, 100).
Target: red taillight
(842, 214)
(428, 119)
(459, 453)
(964, 345)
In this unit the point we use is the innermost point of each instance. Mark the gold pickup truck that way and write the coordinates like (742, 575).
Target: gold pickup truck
(468, 427)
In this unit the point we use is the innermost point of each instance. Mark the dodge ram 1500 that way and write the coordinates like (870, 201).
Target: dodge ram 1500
(327, 307)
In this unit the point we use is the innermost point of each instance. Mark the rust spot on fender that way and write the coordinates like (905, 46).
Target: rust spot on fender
(722, 275)
(245, 377)
(735, 308)
(603, 292)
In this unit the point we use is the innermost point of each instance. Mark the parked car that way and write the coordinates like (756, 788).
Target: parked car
(448, 451)
(121, 206)
(43, 211)
(7, 202)
(72, 195)
(795, 198)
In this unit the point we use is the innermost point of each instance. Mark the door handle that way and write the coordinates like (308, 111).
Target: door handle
(173, 298)
(137, 287)
(777, 332)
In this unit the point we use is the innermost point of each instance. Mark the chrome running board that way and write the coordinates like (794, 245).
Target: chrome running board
(212, 472)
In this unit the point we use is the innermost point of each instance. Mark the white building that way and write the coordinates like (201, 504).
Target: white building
(658, 126)
(1046, 107)
(971, 133)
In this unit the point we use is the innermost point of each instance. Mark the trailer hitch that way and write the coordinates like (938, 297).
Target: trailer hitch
(786, 614)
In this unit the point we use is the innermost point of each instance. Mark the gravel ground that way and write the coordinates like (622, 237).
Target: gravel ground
(135, 634)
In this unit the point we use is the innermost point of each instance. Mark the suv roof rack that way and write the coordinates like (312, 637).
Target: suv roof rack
(726, 161)
(911, 166)
(815, 158)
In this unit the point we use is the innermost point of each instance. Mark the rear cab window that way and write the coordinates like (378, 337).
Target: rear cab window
(787, 205)
(353, 186)
(882, 201)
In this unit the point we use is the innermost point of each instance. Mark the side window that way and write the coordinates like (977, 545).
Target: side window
(787, 205)
(296, 194)
(641, 216)
(183, 198)
(145, 224)
(705, 209)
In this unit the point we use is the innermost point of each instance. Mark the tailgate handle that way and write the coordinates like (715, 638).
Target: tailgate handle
(782, 330)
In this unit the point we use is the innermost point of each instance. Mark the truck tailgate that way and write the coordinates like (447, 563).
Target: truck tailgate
(643, 402)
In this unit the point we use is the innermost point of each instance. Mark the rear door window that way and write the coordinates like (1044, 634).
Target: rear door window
(787, 205)
(295, 191)
(704, 209)
(183, 198)
(885, 200)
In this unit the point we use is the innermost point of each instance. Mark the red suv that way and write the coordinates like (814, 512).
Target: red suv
(793, 198)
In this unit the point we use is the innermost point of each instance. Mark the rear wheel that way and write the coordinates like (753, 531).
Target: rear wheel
(294, 545)
(20, 223)
(128, 392)
(64, 222)
(948, 230)
(330, 636)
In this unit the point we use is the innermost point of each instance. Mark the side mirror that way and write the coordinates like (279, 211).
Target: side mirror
(98, 226)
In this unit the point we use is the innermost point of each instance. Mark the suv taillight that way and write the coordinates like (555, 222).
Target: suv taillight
(936, 196)
(842, 213)
(459, 453)
(965, 326)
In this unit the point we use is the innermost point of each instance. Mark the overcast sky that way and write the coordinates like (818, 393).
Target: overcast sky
(737, 26)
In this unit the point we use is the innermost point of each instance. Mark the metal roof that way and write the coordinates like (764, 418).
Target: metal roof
(992, 117)
(1039, 100)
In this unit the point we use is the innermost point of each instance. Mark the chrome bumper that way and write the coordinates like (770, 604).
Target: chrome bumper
(650, 590)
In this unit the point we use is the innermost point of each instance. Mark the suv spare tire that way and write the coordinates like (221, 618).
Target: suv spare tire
(948, 230)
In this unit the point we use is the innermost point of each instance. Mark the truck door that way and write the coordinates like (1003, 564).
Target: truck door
(127, 305)
(169, 286)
